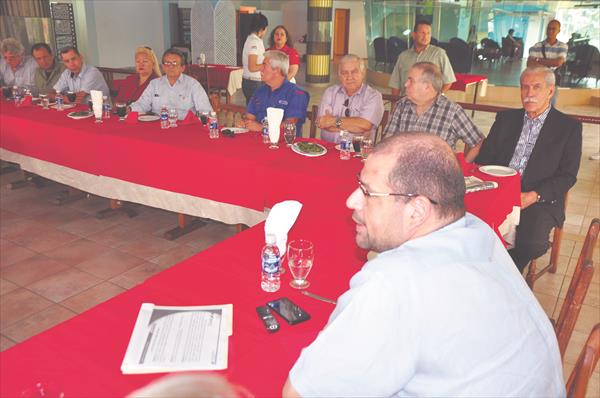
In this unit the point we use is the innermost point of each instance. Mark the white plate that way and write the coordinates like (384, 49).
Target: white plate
(498, 171)
(351, 148)
(148, 118)
(236, 130)
(65, 106)
(312, 155)
(89, 114)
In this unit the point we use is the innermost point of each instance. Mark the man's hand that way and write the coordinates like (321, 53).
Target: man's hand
(326, 121)
(252, 125)
(80, 96)
(528, 198)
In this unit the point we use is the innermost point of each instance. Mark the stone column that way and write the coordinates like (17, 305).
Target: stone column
(318, 51)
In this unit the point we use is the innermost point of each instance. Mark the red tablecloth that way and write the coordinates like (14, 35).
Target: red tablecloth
(218, 75)
(82, 356)
(464, 79)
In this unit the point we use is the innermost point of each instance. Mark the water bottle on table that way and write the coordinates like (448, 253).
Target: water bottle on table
(271, 262)
(213, 125)
(59, 102)
(105, 107)
(164, 117)
(345, 144)
(265, 131)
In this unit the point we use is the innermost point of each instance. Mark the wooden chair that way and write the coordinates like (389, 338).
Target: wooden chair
(381, 128)
(590, 353)
(391, 100)
(312, 116)
(109, 74)
(229, 114)
(533, 273)
(582, 276)
(200, 73)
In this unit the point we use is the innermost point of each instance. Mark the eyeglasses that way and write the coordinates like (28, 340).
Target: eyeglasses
(368, 194)
(347, 111)
(170, 63)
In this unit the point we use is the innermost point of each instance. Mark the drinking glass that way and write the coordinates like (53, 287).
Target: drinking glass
(274, 134)
(172, 117)
(289, 133)
(98, 112)
(45, 102)
(71, 96)
(356, 144)
(365, 147)
(6, 92)
(300, 255)
(121, 110)
(204, 117)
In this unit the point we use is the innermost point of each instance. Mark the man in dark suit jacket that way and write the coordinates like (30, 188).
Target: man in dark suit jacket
(544, 145)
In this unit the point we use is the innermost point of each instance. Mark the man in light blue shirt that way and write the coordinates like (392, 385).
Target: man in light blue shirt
(79, 78)
(441, 311)
(15, 68)
(173, 90)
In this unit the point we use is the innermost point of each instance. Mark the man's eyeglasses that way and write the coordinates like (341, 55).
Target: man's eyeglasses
(347, 111)
(170, 63)
(368, 194)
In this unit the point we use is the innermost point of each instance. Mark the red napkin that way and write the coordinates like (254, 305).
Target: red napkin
(132, 118)
(190, 118)
(27, 101)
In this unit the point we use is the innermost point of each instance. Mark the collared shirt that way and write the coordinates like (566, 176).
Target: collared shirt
(446, 314)
(130, 90)
(185, 95)
(529, 135)
(289, 97)
(409, 57)
(444, 118)
(553, 51)
(45, 80)
(88, 79)
(366, 103)
(22, 76)
(253, 46)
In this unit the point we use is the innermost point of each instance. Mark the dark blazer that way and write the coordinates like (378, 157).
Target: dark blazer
(554, 162)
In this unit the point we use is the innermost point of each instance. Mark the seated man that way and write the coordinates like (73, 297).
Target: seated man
(15, 68)
(544, 146)
(425, 108)
(440, 311)
(351, 105)
(277, 92)
(79, 77)
(173, 89)
(48, 71)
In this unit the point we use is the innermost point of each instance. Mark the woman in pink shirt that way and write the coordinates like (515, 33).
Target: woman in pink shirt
(280, 40)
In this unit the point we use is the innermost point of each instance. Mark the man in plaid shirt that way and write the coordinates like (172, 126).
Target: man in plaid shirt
(425, 109)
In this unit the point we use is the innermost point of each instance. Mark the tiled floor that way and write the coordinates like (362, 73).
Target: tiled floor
(58, 261)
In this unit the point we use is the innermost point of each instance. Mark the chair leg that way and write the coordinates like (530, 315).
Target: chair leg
(555, 250)
(531, 277)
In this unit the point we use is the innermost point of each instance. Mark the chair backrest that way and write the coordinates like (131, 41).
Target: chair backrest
(380, 49)
(391, 100)
(381, 127)
(395, 46)
(582, 276)
(229, 114)
(200, 73)
(312, 116)
(109, 75)
(590, 353)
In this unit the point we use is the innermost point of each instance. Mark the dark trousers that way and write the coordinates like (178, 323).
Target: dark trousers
(532, 234)
(249, 87)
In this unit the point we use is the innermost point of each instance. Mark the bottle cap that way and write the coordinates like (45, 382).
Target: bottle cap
(270, 239)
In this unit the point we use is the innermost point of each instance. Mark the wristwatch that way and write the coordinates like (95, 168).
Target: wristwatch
(338, 122)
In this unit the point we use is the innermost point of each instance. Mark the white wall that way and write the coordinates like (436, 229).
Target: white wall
(357, 37)
(123, 25)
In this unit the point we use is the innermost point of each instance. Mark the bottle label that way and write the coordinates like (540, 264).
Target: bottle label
(270, 264)
(213, 124)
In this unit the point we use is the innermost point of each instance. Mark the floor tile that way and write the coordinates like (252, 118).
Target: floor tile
(11, 253)
(5, 343)
(137, 275)
(59, 215)
(20, 304)
(86, 225)
(174, 256)
(115, 235)
(40, 238)
(76, 252)
(37, 323)
(93, 296)
(32, 269)
(63, 285)
(109, 264)
(147, 246)
(7, 286)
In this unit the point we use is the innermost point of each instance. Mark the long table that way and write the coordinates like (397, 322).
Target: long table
(82, 356)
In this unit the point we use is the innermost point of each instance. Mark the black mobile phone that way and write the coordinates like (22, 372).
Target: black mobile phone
(264, 313)
(288, 310)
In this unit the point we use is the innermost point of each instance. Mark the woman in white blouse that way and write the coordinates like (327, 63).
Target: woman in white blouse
(252, 56)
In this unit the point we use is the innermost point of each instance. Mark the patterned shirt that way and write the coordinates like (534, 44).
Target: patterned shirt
(22, 76)
(553, 51)
(529, 135)
(444, 118)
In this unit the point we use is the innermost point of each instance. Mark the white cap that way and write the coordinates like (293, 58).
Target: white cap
(270, 239)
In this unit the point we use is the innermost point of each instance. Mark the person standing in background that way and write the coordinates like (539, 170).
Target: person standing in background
(252, 56)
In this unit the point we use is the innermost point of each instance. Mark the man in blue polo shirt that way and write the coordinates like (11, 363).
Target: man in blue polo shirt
(277, 92)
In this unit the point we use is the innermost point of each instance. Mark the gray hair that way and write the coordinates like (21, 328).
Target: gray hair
(12, 45)
(431, 74)
(548, 74)
(353, 58)
(279, 60)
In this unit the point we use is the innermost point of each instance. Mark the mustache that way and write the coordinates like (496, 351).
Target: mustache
(356, 218)
(529, 99)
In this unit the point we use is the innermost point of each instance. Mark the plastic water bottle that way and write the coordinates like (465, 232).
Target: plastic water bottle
(345, 144)
(270, 280)
(164, 117)
(213, 125)
(105, 108)
(59, 102)
(16, 95)
(265, 131)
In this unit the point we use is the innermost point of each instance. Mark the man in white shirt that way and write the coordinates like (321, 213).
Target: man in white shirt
(442, 310)
(174, 89)
(16, 69)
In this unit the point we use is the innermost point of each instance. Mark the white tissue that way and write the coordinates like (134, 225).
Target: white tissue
(274, 117)
(280, 220)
